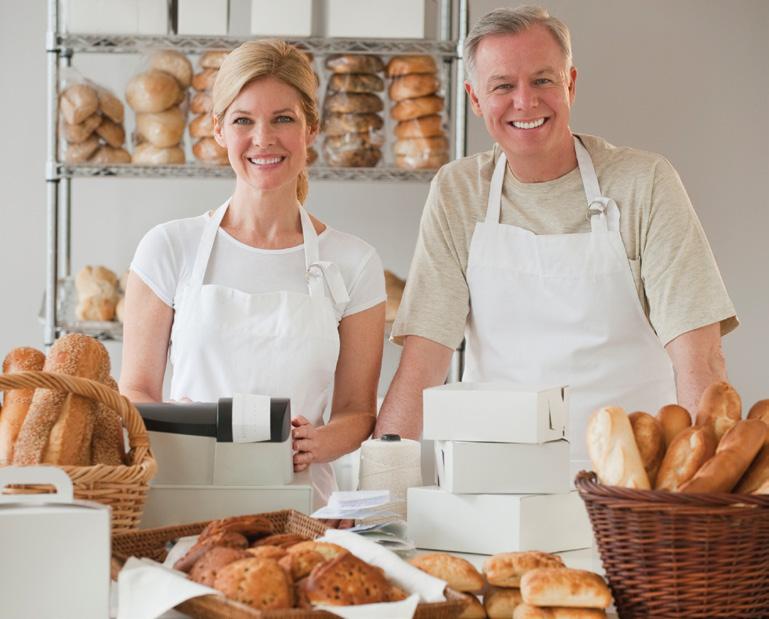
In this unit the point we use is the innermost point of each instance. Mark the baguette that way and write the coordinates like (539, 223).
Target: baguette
(734, 454)
(757, 474)
(720, 407)
(59, 425)
(527, 611)
(613, 450)
(673, 419)
(686, 454)
(563, 586)
(650, 440)
(16, 401)
(760, 410)
(107, 445)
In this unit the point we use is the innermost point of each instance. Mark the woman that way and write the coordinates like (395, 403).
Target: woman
(258, 296)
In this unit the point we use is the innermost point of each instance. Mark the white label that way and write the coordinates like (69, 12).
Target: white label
(250, 418)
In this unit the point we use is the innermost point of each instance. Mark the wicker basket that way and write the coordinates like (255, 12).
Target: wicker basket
(124, 488)
(670, 554)
(153, 543)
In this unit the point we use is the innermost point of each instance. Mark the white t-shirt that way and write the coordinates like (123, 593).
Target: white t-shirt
(165, 257)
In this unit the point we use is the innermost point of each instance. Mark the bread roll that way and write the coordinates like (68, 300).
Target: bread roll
(107, 446)
(96, 280)
(734, 454)
(473, 608)
(59, 425)
(354, 63)
(354, 141)
(161, 129)
(213, 59)
(81, 152)
(175, 63)
(78, 102)
(673, 419)
(720, 407)
(416, 108)
(340, 124)
(458, 573)
(350, 158)
(111, 132)
(205, 79)
(413, 85)
(428, 161)
(420, 147)
(202, 126)
(425, 127)
(259, 583)
(355, 82)
(506, 569)
(355, 102)
(201, 103)
(651, 443)
(110, 106)
(688, 452)
(613, 450)
(563, 586)
(527, 611)
(74, 134)
(207, 150)
(147, 154)
(402, 65)
(500, 603)
(107, 155)
(16, 401)
(152, 91)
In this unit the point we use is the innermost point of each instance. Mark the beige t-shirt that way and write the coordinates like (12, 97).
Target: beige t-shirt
(677, 279)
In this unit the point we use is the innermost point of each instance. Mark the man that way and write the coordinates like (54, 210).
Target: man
(562, 259)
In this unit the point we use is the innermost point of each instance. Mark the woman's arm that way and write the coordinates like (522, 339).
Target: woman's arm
(146, 333)
(353, 411)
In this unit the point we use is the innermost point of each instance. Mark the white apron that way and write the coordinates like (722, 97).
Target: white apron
(282, 344)
(562, 309)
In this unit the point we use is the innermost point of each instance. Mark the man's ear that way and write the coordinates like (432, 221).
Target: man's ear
(572, 84)
(218, 133)
(473, 99)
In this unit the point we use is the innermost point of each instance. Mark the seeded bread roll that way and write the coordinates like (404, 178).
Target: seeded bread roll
(75, 134)
(458, 573)
(147, 154)
(346, 580)
(413, 85)
(613, 450)
(650, 440)
(688, 452)
(208, 566)
(259, 583)
(720, 407)
(416, 108)
(173, 62)
(59, 425)
(403, 65)
(673, 419)
(354, 63)
(16, 401)
(563, 586)
(340, 124)
(78, 102)
(425, 127)
(153, 91)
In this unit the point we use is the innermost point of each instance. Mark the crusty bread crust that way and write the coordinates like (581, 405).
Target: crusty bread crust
(650, 441)
(687, 453)
(107, 446)
(563, 586)
(16, 402)
(673, 419)
(613, 450)
(720, 407)
(505, 569)
(458, 573)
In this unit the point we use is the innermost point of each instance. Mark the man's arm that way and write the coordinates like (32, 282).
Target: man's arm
(698, 362)
(424, 363)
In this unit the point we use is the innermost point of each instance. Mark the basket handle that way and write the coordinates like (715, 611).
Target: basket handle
(132, 420)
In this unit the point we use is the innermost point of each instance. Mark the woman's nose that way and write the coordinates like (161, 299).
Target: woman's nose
(262, 134)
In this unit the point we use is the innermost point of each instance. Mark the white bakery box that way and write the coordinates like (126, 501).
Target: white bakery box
(115, 16)
(495, 412)
(394, 19)
(492, 523)
(55, 559)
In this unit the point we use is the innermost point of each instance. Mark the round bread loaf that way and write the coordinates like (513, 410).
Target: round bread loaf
(413, 85)
(348, 158)
(78, 102)
(339, 124)
(354, 63)
(424, 127)
(110, 106)
(403, 65)
(207, 150)
(161, 129)
(260, 583)
(152, 91)
(416, 108)
(74, 134)
(111, 132)
(147, 154)
(355, 82)
(420, 147)
(175, 63)
(358, 103)
(213, 58)
(202, 126)
(201, 103)
(106, 155)
(205, 79)
(81, 152)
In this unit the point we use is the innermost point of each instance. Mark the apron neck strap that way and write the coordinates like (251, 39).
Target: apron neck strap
(494, 203)
(206, 245)
(602, 212)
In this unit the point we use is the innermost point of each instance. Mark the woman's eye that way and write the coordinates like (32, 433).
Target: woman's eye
(241, 121)
(284, 119)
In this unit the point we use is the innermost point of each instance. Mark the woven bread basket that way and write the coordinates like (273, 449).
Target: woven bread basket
(123, 488)
(672, 554)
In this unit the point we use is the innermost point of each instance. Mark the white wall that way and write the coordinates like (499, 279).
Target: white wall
(689, 79)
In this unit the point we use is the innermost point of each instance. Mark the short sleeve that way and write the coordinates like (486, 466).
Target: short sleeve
(154, 262)
(436, 301)
(368, 287)
(679, 272)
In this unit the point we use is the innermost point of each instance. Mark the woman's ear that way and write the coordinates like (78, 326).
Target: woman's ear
(218, 133)
(312, 134)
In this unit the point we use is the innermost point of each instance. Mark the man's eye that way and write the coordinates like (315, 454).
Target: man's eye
(503, 87)
(542, 81)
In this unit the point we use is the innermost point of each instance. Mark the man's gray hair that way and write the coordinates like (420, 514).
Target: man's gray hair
(512, 21)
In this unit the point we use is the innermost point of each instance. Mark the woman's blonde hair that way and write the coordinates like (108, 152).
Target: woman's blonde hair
(269, 58)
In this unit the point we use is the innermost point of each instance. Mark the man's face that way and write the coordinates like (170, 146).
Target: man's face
(523, 90)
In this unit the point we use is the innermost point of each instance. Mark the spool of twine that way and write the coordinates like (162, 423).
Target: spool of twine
(390, 463)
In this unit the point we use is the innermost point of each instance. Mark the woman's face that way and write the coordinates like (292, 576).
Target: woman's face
(266, 135)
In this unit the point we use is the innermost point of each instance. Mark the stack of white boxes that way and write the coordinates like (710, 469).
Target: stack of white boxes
(502, 461)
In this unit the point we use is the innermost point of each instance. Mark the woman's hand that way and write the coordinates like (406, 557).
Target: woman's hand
(304, 442)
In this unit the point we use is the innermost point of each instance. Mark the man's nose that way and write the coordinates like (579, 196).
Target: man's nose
(525, 97)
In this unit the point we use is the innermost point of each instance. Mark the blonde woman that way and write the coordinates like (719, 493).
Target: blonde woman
(258, 296)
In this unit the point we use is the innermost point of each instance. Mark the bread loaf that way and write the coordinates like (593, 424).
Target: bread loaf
(152, 91)
(413, 85)
(563, 586)
(416, 108)
(59, 425)
(734, 454)
(720, 407)
(500, 603)
(403, 65)
(16, 401)
(161, 129)
(425, 127)
(673, 419)
(173, 62)
(651, 443)
(458, 573)
(107, 445)
(527, 611)
(506, 569)
(687, 453)
(78, 102)
(147, 154)
(757, 474)
(613, 450)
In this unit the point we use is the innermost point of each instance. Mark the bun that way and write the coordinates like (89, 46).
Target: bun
(500, 603)
(458, 573)
(760, 410)
(152, 91)
(403, 65)
(59, 425)
(688, 452)
(354, 63)
(327, 549)
(427, 161)
(339, 124)
(148, 154)
(527, 611)
(413, 85)
(112, 133)
(16, 401)
(613, 450)
(355, 82)
(354, 141)
(96, 291)
(358, 103)
(161, 129)
(349, 158)
(507, 568)
(346, 580)
(425, 127)
(175, 63)
(208, 150)
(416, 108)
(213, 59)
(110, 106)
(298, 564)
(81, 152)
(74, 134)
(757, 474)
(208, 566)
(562, 586)
(202, 126)
(650, 440)
(734, 454)
(107, 445)
(673, 419)
(259, 583)
(281, 540)
(108, 155)
(420, 147)
(78, 102)
(720, 407)
(205, 79)
(201, 103)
